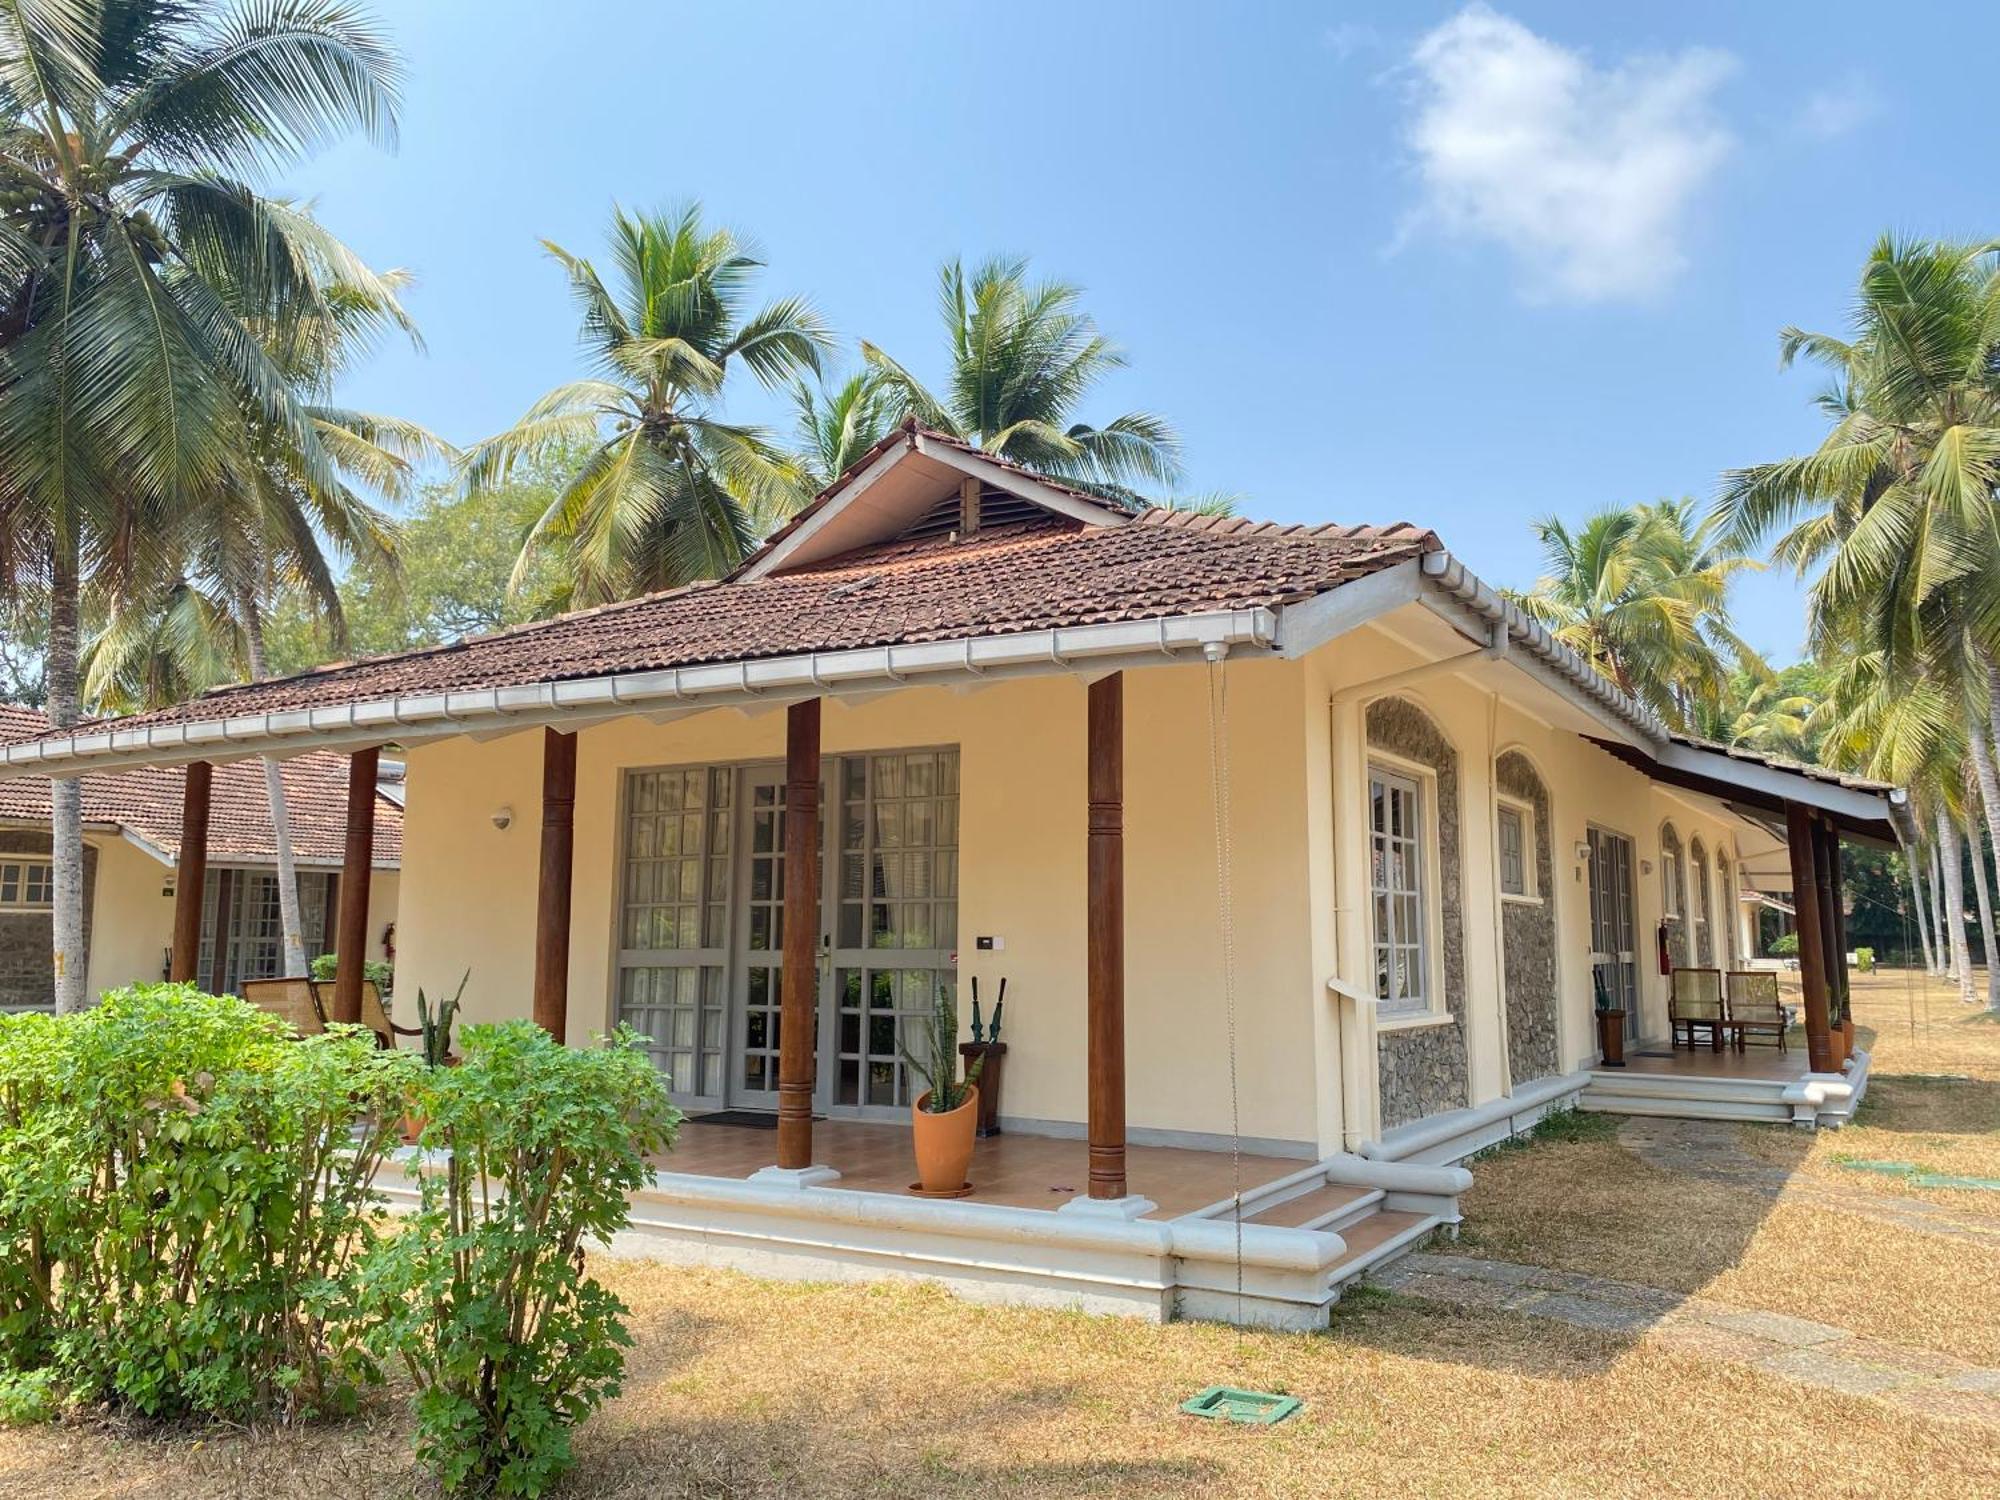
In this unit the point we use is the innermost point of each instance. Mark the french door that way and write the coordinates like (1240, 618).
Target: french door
(1614, 955)
(701, 975)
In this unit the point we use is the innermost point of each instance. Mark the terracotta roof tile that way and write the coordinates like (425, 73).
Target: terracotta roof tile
(1030, 576)
(147, 802)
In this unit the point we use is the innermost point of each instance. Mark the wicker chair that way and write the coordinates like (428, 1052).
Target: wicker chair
(375, 1016)
(292, 1000)
(1754, 1007)
(1696, 1001)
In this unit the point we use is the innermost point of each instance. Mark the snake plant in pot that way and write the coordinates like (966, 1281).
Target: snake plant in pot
(944, 1115)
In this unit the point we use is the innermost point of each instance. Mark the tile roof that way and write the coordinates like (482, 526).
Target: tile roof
(1030, 576)
(147, 802)
(1785, 763)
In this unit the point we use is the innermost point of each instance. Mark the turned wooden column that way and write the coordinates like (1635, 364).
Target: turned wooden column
(1804, 848)
(552, 891)
(190, 872)
(355, 870)
(798, 996)
(1105, 936)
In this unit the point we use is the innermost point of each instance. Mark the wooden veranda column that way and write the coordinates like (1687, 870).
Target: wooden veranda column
(190, 872)
(355, 869)
(798, 997)
(1105, 936)
(552, 892)
(1833, 925)
(1800, 836)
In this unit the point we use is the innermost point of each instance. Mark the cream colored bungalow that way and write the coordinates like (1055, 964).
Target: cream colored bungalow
(132, 862)
(1308, 863)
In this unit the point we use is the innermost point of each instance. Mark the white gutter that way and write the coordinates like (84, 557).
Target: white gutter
(420, 716)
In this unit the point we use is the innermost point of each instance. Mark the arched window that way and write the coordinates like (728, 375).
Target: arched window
(1704, 910)
(1673, 900)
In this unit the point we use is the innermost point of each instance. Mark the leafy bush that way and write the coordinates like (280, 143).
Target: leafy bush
(185, 1190)
(484, 1293)
(1786, 946)
(1864, 960)
(326, 968)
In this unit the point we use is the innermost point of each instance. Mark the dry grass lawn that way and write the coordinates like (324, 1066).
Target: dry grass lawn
(1587, 1204)
(740, 1388)
(743, 1389)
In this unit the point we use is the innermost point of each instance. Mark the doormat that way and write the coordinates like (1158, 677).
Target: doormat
(748, 1119)
(1653, 1054)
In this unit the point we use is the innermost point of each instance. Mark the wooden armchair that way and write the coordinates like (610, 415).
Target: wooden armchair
(1755, 1008)
(293, 1000)
(1695, 1002)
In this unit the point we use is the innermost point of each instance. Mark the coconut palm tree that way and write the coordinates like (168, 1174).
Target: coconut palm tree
(1895, 508)
(668, 491)
(267, 532)
(836, 424)
(1023, 358)
(144, 282)
(1641, 593)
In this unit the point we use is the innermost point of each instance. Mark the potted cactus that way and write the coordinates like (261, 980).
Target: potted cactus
(434, 1040)
(944, 1115)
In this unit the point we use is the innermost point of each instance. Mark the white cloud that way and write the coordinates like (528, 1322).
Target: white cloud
(1345, 38)
(1585, 174)
(1833, 112)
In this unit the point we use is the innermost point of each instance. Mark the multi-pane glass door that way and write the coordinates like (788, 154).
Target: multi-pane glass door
(896, 922)
(759, 1019)
(702, 978)
(240, 908)
(673, 954)
(1614, 956)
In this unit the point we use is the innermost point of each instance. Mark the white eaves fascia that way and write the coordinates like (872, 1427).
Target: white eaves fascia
(1067, 650)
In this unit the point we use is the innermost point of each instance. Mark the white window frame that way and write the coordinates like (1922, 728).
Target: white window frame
(1700, 906)
(22, 865)
(1530, 893)
(1429, 1006)
(1673, 875)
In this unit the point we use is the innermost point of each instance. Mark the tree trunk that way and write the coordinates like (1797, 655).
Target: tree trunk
(1939, 934)
(1954, 902)
(274, 789)
(1975, 840)
(68, 957)
(1913, 867)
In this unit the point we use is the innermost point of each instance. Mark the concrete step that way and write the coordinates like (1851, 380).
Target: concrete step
(1683, 1106)
(1379, 1238)
(1333, 1207)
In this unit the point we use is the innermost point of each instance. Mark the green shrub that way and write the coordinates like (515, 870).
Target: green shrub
(1864, 960)
(326, 968)
(1786, 946)
(185, 1190)
(484, 1295)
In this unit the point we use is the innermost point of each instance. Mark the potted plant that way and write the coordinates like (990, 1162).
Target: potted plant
(944, 1115)
(1610, 1025)
(434, 1040)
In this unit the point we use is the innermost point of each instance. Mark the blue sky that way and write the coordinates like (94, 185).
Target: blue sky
(1465, 266)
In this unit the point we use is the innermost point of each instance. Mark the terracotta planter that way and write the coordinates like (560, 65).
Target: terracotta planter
(944, 1146)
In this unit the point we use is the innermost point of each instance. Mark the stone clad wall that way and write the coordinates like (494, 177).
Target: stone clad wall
(1677, 937)
(1528, 933)
(1423, 1071)
(27, 966)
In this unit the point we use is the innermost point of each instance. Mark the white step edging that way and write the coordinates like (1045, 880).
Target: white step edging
(988, 1252)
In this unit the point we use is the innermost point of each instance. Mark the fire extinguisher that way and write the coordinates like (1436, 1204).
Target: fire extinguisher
(1666, 953)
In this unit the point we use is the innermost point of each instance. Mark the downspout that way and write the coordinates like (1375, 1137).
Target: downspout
(1499, 902)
